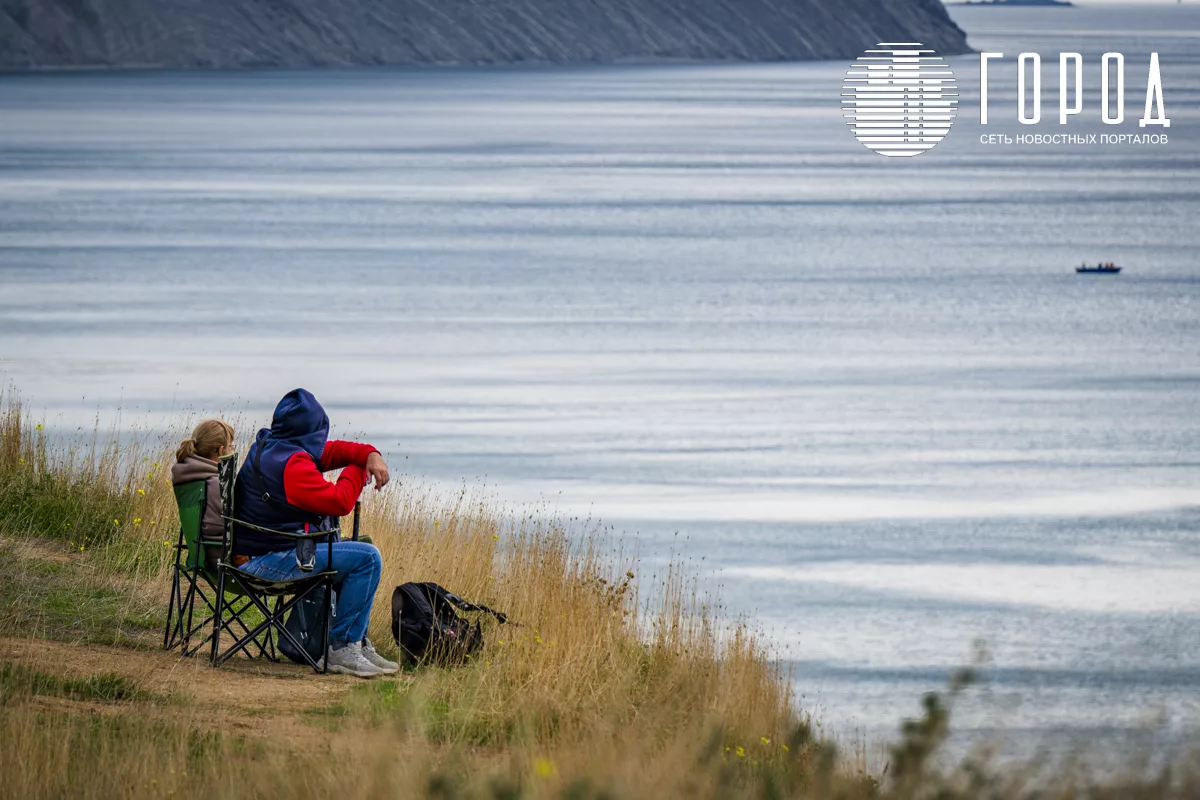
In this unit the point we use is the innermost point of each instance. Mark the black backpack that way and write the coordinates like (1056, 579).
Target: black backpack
(429, 630)
(305, 622)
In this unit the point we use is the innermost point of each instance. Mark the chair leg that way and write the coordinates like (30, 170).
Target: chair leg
(217, 620)
(328, 621)
(275, 619)
(186, 631)
(230, 609)
(172, 605)
(272, 624)
(271, 637)
(239, 645)
(194, 627)
(236, 616)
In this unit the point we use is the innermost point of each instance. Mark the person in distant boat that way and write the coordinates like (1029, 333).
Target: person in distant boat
(196, 460)
(281, 486)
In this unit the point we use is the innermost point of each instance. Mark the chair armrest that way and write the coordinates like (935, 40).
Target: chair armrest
(288, 534)
(310, 535)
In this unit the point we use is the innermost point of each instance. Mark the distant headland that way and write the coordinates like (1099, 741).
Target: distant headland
(238, 34)
(1061, 3)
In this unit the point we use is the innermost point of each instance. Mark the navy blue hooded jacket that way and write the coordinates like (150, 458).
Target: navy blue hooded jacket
(280, 485)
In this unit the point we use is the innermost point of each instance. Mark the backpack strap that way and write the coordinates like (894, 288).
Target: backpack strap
(436, 593)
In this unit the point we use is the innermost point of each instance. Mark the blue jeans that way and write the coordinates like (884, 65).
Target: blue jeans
(357, 565)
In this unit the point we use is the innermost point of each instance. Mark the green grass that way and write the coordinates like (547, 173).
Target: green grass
(377, 703)
(70, 600)
(374, 702)
(49, 753)
(75, 494)
(106, 687)
(76, 509)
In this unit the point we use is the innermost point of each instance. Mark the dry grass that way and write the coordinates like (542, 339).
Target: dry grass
(600, 692)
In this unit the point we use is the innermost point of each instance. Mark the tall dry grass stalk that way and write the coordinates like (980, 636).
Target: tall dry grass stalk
(587, 657)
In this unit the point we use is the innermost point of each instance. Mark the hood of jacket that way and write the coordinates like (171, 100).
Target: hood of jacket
(193, 468)
(299, 423)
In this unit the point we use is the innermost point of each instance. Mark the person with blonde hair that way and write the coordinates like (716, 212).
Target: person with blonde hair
(196, 460)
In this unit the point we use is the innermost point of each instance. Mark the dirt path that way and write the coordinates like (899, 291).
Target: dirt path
(255, 698)
(251, 697)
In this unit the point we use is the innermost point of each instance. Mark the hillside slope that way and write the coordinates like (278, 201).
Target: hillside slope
(40, 34)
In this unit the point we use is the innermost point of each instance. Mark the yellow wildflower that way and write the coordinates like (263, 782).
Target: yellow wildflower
(741, 753)
(764, 740)
(142, 492)
(543, 766)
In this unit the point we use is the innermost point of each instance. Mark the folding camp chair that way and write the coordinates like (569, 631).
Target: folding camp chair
(194, 578)
(260, 591)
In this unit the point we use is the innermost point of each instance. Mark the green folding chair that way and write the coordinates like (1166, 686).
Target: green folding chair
(261, 591)
(194, 580)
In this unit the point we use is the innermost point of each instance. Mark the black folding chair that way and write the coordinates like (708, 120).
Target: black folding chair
(260, 591)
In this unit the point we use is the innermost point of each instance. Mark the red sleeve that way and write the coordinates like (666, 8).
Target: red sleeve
(342, 454)
(306, 488)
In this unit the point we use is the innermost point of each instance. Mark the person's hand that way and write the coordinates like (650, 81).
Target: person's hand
(377, 468)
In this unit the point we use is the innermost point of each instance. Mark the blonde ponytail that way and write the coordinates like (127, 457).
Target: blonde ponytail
(206, 441)
(187, 449)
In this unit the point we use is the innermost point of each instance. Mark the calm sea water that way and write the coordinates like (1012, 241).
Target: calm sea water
(865, 398)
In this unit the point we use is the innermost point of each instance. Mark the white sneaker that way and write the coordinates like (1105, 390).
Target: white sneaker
(377, 661)
(349, 660)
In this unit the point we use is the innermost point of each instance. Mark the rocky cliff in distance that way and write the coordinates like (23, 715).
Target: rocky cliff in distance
(41, 34)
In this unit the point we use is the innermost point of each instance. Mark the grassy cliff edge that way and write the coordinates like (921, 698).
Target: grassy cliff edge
(600, 693)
